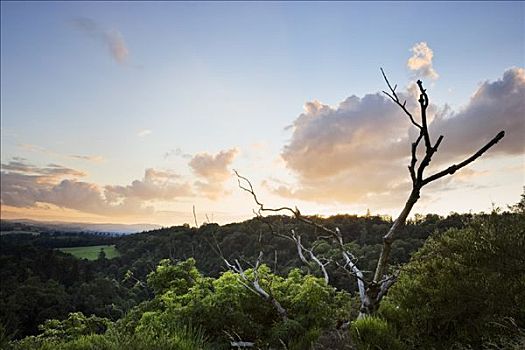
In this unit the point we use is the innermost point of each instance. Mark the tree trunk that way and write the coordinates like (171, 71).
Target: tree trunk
(378, 287)
(389, 238)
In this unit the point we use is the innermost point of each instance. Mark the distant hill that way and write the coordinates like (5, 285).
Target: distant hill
(27, 225)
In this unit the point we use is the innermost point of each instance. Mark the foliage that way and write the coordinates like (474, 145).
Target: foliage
(111, 287)
(374, 333)
(31, 303)
(464, 289)
(176, 278)
(228, 311)
(520, 206)
(170, 337)
(80, 332)
(463, 286)
(76, 325)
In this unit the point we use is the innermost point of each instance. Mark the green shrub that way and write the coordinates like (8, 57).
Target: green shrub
(373, 333)
(462, 287)
(75, 325)
(281, 332)
(88, 342)
(153, 336)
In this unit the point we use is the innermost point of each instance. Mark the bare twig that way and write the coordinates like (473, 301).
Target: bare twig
(413, 161)
(195, 217)
(300, 248)
(393, 96)
(455, 167)
(295, 212)
(418, 180)
(253, 285)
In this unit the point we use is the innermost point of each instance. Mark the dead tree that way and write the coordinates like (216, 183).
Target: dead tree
(301, 250)
(350, 262)
(371, 292)
(253, 284)
(418, 182)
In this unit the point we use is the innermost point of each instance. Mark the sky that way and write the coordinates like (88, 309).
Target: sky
(138, 112)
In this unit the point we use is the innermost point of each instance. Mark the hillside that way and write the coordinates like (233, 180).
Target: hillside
(34, 261)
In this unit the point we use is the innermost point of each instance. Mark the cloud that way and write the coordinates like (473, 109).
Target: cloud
(495, 106)
(143, 132)
(25, 185)
(358, 152)
(39, 149)
(327, 141)
(50, 172)
(421, 61)
(213, 170)
(34, 148)
(156, 185)
(117, 46)
(178, 153)
(213, 167)
(89, 158)
(111, 38)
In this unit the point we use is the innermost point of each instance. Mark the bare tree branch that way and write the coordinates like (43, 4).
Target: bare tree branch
(253, 285)
(349, 266)
(413, 161)
(295, 212)
(393, 96)
(385, 286)
(349, 261)
(300, 248)
(455, 167)
(195, 217)
(417, 178)
(423, 103)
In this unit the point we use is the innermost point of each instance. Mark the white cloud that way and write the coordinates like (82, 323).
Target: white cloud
(421, 61)
(156, 185)
(213, 170)
(358, 152)
(495, 106)
(25, 185)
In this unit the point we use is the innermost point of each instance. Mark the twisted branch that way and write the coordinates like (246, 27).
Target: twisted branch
(254, 286)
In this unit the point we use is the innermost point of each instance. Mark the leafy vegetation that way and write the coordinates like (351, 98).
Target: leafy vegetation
(461, 288)
(374, 333)
(464, 286)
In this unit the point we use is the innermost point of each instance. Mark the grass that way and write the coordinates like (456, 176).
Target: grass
(91, 252)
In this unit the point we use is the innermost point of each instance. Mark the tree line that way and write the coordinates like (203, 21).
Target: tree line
(171, 279)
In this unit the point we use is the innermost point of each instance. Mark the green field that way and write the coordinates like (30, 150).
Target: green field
(91, 252)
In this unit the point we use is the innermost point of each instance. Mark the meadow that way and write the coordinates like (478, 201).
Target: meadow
(91, 252)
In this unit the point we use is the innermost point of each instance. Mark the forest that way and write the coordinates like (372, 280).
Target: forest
(460, 285)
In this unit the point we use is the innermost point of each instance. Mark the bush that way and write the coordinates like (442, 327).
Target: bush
(374, 333)
(172, 338)
(282, 331)
(464, 288)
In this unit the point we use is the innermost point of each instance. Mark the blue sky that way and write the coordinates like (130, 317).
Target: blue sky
(210, 77)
